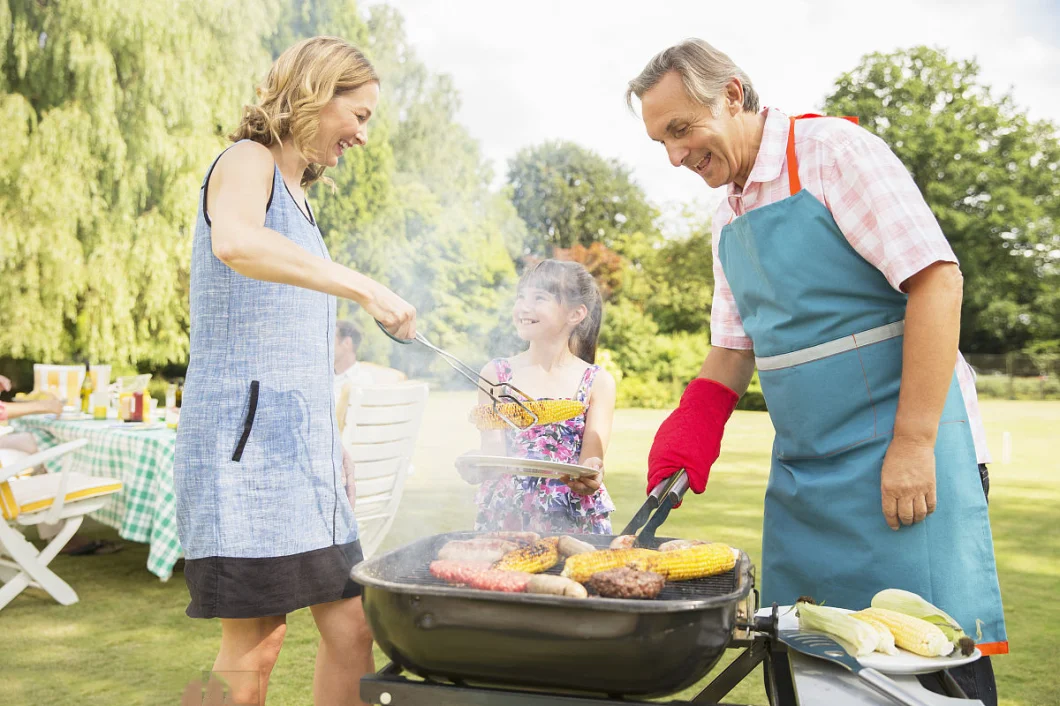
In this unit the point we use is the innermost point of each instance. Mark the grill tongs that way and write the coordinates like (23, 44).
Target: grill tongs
(507, 392)
(662, 499)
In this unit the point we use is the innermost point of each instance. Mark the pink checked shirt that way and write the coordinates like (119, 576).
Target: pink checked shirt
(873, 200)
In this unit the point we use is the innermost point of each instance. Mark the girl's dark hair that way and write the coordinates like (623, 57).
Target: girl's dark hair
(573, 286)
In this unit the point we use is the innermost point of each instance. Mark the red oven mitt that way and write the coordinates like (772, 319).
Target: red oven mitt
(690, 438)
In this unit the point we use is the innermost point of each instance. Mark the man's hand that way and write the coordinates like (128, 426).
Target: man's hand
(907, 482)
(587, 485)
(690, 438)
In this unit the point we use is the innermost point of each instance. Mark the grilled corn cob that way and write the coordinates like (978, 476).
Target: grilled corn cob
(691, 563)
(581, 567)
(538, 557)
(913, 634)
(488, 416)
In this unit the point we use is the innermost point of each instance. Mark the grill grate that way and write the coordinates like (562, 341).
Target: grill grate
(417, 573)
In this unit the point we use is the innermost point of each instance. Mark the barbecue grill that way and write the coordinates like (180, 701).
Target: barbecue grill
(454, 646)
(586, 649)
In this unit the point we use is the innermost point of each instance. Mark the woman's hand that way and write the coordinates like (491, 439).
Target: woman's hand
(397, 315)
(5, 384)
(587, 485)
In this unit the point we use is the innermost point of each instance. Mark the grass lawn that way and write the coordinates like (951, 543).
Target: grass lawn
(128, 641)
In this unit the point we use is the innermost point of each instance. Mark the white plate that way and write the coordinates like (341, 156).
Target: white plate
(521, 466)
(902, 663)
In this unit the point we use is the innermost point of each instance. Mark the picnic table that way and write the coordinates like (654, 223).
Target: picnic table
(141, 458)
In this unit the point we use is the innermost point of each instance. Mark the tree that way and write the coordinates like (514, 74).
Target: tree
(990, 175)
(413, 209)
(112, 112)
(568, 195)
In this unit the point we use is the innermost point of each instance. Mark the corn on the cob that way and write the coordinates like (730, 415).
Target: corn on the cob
(581, 567)
(539, 556)
(857, 636)
(886, 643)
(691, 563)
(911, 604)
(486, 416)
(913, 634)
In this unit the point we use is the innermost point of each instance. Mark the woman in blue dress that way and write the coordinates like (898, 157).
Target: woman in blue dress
(262, 509)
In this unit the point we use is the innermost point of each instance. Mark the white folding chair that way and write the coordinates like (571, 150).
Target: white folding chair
(381, 426)
(61, 499)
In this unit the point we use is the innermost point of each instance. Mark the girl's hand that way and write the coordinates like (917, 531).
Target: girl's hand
(396, 314)
(587, 485)
(5, 384)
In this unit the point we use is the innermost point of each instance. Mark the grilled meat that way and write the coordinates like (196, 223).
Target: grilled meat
(569, 546)
(675, 544)
(625, 582)
(517, 537)
(486, 549)
(480, 575)
(556, 586)
(624, 541)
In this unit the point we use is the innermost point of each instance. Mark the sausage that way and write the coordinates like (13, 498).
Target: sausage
(569, 546)
(518, 537)
(482, 549)
(624, 541)
(556, 586)
(481, 576)
(675, 544)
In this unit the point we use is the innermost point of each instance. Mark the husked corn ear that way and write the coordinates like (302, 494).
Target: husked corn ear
(691, 563)
(886, 643)
(913, 634)
(548, 411)
(581, 567)
(539, 556)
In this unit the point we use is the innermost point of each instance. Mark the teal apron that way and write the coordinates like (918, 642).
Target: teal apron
(827, 333)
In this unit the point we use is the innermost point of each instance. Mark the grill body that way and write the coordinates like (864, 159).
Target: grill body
(599, 645)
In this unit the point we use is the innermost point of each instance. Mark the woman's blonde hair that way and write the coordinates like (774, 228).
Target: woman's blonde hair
(300, 83)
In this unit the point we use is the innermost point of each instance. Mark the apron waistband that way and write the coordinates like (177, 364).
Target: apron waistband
(824, 350)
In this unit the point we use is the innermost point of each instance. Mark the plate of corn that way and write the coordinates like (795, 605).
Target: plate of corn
(521, 466)
(900, 633)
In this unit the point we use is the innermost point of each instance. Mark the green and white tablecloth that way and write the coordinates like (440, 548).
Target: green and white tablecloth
(145, 511)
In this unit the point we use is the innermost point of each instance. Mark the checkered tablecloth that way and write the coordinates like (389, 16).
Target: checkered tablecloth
(145, 511)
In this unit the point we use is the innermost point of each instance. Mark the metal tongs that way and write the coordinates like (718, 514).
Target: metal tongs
(490, 389)
(662, 500)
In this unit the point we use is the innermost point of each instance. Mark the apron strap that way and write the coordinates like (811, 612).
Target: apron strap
(793, 163)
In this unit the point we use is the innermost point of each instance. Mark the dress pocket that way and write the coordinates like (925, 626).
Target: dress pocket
(248, 422)
(819, 408)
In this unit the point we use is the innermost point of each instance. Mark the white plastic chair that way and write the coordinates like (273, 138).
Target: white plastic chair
(381, 426)
(61, 499)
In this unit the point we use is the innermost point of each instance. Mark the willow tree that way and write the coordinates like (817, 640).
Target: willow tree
(111, 113)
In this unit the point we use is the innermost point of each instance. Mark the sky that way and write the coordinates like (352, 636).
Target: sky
(528, 72)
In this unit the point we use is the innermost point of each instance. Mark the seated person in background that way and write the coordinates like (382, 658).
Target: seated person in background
(350, 372)
(348, 338)
(24, 444)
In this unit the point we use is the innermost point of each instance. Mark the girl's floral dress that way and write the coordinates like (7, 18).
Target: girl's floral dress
(545, 505)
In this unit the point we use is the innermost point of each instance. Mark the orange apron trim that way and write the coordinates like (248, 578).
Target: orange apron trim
(793, 164)
(993, 648)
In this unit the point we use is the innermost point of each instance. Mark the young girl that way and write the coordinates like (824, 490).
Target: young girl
(557, 311)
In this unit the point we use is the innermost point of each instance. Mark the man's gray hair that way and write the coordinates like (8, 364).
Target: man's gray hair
(704, 71)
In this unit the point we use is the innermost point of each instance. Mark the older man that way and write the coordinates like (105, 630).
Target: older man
(834, 278)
